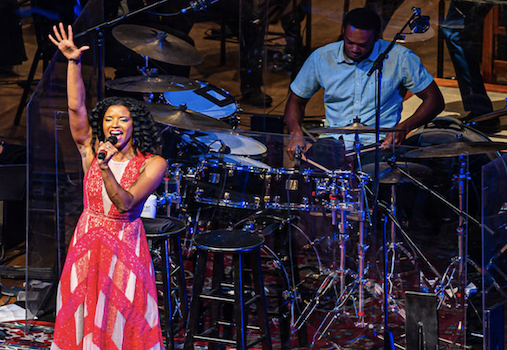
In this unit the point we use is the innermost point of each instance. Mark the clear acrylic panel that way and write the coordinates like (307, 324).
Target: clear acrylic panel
(54, 173)
(494, 278)
(253, 184)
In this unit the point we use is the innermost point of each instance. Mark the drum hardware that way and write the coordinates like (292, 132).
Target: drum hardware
(337, 275)
(389, 174)
(170, 198)
(157, 45)
(444, 288)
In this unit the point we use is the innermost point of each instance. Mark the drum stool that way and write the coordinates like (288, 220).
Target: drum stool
(167, 232)
(241, 245)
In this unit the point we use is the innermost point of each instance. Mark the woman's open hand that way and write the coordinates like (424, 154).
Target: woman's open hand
(65, 42)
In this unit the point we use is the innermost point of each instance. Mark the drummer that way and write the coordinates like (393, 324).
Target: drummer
(341, 68)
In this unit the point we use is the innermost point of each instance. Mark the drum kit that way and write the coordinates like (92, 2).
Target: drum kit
(225, 169)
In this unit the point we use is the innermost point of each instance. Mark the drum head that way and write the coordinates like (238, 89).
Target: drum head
(239, 145)
(209, 100)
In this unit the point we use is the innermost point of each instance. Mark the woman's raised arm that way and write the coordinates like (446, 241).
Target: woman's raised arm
(76, 95)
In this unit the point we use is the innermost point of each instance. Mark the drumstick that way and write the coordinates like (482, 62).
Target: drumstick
(308, 134)
(321, 167)
(363, 150)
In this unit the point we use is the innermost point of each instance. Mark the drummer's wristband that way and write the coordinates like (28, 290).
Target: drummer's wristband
(74, 60)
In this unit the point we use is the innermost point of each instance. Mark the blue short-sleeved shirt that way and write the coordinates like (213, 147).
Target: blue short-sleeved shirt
(350, 93)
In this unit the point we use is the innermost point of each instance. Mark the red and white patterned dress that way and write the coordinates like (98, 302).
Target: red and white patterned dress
(107, 297)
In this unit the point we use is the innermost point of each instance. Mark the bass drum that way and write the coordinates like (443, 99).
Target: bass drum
(424, 211)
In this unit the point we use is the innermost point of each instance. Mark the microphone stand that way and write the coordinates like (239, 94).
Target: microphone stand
(378, 66)
(99, 38)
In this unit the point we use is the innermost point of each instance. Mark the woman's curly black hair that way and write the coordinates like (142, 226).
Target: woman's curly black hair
(146, 136)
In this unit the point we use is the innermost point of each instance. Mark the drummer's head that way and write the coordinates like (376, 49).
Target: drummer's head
(145, 133)
(361, 29)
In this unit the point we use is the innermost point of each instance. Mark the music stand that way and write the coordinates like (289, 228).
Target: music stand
(421, 325)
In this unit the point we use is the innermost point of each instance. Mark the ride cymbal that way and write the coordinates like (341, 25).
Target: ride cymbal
(455, 149)
(356, 127)
(157, 45)
(182, 118)
(156, 84)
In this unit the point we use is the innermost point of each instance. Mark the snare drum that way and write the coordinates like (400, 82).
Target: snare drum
(308, 190)
(238, 182)
(209, 100)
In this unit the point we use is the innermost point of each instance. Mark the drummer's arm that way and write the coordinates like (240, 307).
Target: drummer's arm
(432, 104)
(294, 115)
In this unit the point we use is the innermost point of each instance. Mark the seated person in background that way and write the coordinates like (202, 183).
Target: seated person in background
(341, 69)
(463, 31)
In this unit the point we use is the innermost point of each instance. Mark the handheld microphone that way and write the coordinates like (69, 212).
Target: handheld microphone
(113, 140)
(198, 5)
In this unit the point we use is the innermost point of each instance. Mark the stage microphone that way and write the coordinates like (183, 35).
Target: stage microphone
(420, 24)
(198, 5)
(113, 140)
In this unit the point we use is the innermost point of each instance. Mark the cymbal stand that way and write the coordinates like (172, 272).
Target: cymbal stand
(358, 284)
(393, 246)
(458, 263)
(338, 275)
(413, 246)
(173, 197)
(464, 219)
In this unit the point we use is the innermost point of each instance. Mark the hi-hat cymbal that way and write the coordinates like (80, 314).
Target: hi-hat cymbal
(239, 145)
(180, 117)
(391, 175)
(156, 84)
(358, 127)
(157, 45)
(455, 149)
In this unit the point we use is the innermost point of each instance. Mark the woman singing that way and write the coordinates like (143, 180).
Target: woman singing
(107, 297)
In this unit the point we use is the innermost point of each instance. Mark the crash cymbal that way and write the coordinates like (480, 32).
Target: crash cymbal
(156, 84)
(481, 118)
(455, 149)
(350, 129)
(180, 117)
(391, 175)
(157, 45)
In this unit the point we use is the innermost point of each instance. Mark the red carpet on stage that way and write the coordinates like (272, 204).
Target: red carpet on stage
(19, 335)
